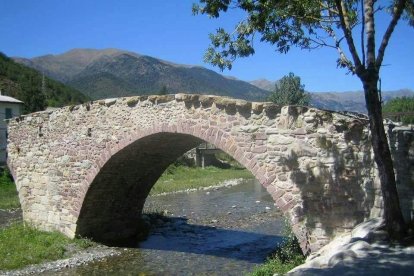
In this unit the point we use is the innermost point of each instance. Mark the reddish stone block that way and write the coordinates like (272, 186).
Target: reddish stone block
(270, 180)
(271, 189)
(261, 149)
(260, 136)
(278, 194)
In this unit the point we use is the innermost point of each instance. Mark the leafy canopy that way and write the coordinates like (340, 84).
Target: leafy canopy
(307, 24)
(289, 91)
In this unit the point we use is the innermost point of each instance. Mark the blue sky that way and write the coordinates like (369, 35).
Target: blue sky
(167, 29)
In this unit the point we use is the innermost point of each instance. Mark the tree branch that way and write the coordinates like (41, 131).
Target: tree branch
(321, 43)
(370, 32)
(348, 34)
(344, 61)
(329, 9)
(397, 11)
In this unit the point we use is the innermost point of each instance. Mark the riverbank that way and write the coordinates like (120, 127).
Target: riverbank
(186, 179)
(80, 258)
(20, 239)
(225, 231)
(22, 245)
(216, 232)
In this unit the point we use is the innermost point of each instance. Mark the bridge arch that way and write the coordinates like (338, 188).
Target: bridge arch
(69, 164)
(123, 183)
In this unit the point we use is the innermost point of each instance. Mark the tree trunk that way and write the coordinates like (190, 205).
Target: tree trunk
(394, 220)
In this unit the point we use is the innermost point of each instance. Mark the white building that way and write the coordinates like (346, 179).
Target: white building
(9, 107)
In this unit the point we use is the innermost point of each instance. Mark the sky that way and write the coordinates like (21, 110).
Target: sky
(167, 29)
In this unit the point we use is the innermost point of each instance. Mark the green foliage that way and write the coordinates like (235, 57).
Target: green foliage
(287, 256)
(285, 24)
(226, 158)
(8, 193)
(400, 105)
(163, 90)
(21, 245)
(289, 91)
(177, 178)
(26, 84)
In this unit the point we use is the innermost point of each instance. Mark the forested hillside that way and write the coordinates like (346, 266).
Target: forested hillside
(36, 91)
(114, 73)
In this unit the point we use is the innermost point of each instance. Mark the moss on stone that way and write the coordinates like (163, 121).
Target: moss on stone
(132, 102)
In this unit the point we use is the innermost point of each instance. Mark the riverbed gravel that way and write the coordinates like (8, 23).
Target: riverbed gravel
(80, 258)
(168, 219)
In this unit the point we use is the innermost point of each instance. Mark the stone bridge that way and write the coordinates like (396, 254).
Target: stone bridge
(86, 170)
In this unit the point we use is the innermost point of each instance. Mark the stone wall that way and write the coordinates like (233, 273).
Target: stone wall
(402, 149)
(87, 169)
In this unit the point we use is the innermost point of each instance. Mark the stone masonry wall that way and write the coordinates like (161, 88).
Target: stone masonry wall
(87, 169)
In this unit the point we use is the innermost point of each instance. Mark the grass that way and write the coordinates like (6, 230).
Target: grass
(177, 178)
(8, 192)
(21, 245)
(287, 256)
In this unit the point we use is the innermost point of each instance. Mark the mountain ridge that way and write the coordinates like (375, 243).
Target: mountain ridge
(113, 72)
(340, 101)
(35, 90)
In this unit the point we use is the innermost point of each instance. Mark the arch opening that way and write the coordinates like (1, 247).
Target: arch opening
(112, 207)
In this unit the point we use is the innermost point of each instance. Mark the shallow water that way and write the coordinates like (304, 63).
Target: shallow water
(220, 232)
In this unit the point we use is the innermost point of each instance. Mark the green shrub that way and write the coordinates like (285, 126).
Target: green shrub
(8, 192)
(400, 105)
(224, 157)
(287, 256)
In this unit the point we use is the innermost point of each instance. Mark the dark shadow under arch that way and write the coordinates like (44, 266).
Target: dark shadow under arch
(111, 209)
(113, 203)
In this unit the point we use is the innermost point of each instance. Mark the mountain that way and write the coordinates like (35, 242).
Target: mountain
(340, 101)
(264, 84)
(352, 101)
(114, 73)
(36, 91)
(64, 67)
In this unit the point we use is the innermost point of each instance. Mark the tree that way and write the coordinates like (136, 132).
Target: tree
(289, 91)
(32, 96)
(163, 90)
(403, 108)
(310, 24)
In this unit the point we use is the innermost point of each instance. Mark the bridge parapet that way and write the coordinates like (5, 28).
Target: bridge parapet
(87, 169)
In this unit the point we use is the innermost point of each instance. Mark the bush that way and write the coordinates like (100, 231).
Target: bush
(400, 105)
(287, 256)
(8, 192)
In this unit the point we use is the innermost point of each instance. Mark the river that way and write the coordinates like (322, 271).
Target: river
(217, 232)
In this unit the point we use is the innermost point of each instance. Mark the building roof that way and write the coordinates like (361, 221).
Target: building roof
(7, 99)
